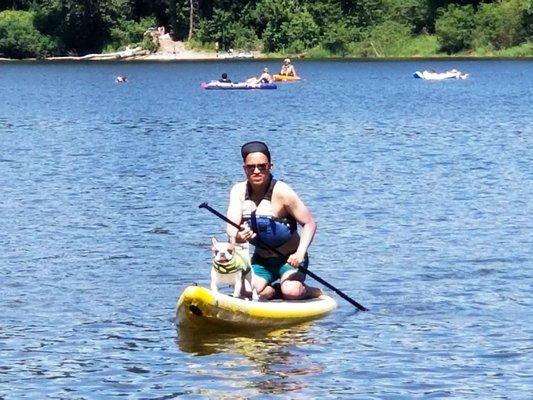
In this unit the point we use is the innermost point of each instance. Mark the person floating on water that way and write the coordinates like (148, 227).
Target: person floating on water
(224, 78)
(287, 68)
(270, 210)
(434, 75)
(121, 79)
(458, 74)
(265, 77)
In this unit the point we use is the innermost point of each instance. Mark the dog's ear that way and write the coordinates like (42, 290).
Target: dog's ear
(214, 241)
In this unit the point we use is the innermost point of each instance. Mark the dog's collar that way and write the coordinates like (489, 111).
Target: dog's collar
(236, 264)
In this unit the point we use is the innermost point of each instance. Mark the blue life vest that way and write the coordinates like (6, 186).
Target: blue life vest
(271, 230)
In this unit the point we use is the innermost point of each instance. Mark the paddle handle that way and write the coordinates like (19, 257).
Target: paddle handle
(219, 215)
(306, 271)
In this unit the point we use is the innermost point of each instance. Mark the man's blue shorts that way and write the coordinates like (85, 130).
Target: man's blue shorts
(272, 268)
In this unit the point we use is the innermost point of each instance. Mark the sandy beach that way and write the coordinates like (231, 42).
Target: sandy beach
(168, 51)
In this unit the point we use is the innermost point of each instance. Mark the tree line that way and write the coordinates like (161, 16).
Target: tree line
(319, 28)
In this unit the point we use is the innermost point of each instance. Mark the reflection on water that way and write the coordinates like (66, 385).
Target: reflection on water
(205, 343)
(264, 361)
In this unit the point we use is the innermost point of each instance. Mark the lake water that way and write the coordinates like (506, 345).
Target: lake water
(422, 192)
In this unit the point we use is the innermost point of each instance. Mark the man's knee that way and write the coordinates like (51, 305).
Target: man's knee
(293, 290)
(259, 284)
(268, 293)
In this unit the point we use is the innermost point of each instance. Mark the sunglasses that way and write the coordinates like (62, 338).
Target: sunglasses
(250, 168)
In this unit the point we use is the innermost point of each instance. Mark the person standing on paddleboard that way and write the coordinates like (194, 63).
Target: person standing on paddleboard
(269, 212)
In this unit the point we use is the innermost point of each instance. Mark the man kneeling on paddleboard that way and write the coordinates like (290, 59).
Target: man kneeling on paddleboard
(269, 212)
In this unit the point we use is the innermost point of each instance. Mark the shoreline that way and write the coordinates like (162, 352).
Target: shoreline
(163, 58)
(170, 51)
(160, 56)
(136, 55)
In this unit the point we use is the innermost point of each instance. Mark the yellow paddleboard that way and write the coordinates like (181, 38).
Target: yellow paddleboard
(199, 307)
(285, 78)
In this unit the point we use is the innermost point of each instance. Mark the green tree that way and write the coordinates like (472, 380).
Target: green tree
(365, 27)
(179, 18)
(454, 28)
(363, 13)
(127, 32)
(16, 4)
(326, 12)
(285, 25)
(271, 17)
(413, 13)
(81, 27)
(229, 32)
(20, 39)
(501, 25)
(435, 7)
(386, 39)
(301, 31)
(219, 28)
(158, 9)
(337, 38)
(527, 21)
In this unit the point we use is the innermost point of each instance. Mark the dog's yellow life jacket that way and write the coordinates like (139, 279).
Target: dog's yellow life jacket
(239, 262)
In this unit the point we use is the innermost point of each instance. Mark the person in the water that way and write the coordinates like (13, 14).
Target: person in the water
(269, 212)
(224, 78)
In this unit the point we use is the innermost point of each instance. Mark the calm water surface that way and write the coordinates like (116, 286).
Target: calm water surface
(422, 191)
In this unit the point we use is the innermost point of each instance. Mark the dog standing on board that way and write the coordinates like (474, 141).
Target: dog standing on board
(231, 265)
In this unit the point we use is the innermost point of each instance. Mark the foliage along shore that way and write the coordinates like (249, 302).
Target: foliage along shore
(203, 56)
(380, 29)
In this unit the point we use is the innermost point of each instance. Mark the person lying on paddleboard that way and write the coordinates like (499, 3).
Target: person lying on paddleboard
(287, 68)
(269, 212)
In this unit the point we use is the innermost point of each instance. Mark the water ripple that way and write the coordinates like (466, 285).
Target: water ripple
(420, 190)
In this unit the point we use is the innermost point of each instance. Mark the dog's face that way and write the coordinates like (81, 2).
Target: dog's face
(223, 252)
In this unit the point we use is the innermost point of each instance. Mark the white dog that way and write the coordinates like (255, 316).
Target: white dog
(231, 265)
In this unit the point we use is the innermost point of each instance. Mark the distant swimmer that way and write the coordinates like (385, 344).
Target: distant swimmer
(457, 74)
(121, 79)
(224, 78)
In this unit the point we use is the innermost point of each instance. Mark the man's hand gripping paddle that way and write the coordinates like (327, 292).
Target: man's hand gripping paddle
(306, 271)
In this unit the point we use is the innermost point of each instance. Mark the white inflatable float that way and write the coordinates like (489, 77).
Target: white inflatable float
(439, 76)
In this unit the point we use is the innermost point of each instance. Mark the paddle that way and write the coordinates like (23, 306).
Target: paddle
(306, 271)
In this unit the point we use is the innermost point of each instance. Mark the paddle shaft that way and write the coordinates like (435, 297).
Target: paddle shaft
(306, 271)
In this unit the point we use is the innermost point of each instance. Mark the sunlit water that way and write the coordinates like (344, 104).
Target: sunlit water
(422, 191)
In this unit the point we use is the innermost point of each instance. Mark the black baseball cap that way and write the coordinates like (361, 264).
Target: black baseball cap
(255, 147)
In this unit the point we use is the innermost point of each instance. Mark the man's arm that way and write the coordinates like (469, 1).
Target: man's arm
(234, 212)
(295, 206)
